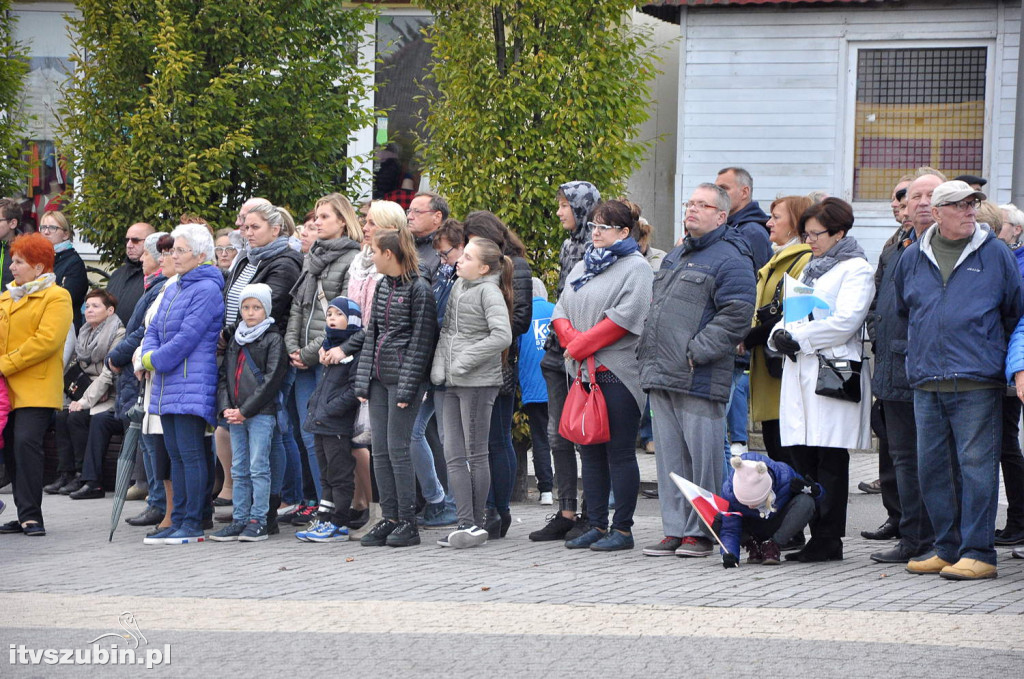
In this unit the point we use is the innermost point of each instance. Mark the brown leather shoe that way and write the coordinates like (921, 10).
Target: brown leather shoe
(929, 566)
(968, 569)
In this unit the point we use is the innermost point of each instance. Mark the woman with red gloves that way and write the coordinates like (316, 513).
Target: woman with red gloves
(601, 314)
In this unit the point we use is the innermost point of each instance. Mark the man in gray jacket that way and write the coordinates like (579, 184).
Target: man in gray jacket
(703, 303)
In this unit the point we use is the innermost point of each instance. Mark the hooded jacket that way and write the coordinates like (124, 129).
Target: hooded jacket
(121, 355)
(750, 222)
(959, 330)
(127, 283)
(702, 307)
(181, 345)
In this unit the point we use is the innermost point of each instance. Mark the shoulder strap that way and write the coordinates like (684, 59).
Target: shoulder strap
(778, 288)
(321, 296)
(252, 365)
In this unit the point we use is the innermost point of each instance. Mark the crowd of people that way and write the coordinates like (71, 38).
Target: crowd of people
(356, 375)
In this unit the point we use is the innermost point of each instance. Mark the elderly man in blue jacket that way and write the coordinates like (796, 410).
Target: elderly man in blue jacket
(959, 288)
(702, 307)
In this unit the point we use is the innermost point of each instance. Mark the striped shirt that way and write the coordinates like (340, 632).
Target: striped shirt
(232, 302)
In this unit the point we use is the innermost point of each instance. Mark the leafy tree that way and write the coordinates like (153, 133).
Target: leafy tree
(194, 106)
(534, 93)
(13, 66)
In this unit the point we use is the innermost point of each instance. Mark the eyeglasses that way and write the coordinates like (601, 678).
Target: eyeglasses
(133, 241)
(963, 205)
(50, 228)
(412, 211)
(181, 252)
(603, 227)
(444, 253)
(811, 236)
(698, 205)
(221, 249)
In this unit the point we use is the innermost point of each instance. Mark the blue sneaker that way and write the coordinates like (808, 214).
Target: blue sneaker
(439, 514)
(185, 536)
(309, 530)
(613, 541)
(159, 536)
(328, 532)
(254, 532)
(582, 542)
(228, 533)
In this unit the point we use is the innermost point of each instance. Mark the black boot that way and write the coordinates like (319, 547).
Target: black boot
(492, 523)
(506, 521)
(62, 480)
(272, 527)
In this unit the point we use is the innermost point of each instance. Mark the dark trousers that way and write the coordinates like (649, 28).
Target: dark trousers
(613, 465)
(1012, 463)
(886, 471)
(190, 469)
(783, 524)
(901, 436)
(563, 453)
(773, 442)
(72, 435)
(23, 455)
(337, 475)
(831, 468)
(102, 427)
(391, 429)
(501, 454)
(537, 414)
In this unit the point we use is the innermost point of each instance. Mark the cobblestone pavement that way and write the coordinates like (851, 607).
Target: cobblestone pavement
(511, 606)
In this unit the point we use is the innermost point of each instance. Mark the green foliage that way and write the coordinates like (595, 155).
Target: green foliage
(534, 93)
(13, 66)
(195, 106)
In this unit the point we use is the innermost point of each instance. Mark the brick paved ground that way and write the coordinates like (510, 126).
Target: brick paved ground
(511, 601)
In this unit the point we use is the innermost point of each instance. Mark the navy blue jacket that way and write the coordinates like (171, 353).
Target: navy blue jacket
(750, 222)
(69, 269)
(333, 404)
(121, 355)
(889, 380)
(959, 330)
(703, 302)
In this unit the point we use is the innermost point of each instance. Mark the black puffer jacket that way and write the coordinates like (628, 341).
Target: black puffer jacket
(69, 270)
(398, 348)
(333, 404)
(522, 313)
(280, 273)
(254, 397)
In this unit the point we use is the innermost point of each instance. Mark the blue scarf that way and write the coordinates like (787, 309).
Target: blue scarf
(596, 260)
(63, 245)
(335, 338)
(246, 335)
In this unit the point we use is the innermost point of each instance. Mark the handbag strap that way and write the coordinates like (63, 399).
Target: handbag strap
(778, 288)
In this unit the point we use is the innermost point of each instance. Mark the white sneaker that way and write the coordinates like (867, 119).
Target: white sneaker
(467, 537)
(546, 499)
(738, 448)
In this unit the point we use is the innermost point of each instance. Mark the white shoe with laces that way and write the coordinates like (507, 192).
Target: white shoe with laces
(546, 498)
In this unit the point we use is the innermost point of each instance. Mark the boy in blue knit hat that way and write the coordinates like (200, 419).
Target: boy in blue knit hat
(331, 419)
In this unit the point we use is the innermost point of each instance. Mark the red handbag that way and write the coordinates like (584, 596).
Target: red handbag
(585, 415)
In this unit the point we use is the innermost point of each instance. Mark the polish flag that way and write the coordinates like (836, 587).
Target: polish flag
(705, 503)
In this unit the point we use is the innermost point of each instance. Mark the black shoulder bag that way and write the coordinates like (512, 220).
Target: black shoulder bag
(769, 315)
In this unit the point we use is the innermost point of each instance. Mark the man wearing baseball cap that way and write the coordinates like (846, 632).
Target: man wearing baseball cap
(960, 290)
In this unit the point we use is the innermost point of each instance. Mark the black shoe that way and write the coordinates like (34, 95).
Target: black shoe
(581, 527)
(887, 531)
(555, 529)
(221, 502)
(873, 488)
(1011, 535)
(72, 485)
(62, 480)
(404, 534)
(358, 519)
(378, 535)
(492, 523)
(273, 524)
(796, 542)
(88, 491)
(156, 529)
(148, 517)
(10, 528)
(506, 521)
(303, 515)
(819, 549)
(652, 493)
(898, 554)
(34, 529)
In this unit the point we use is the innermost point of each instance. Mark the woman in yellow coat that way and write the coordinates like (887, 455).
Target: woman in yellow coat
(35, 315)
(790, 256)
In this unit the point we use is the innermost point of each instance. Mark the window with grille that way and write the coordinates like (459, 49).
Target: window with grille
(921, 106)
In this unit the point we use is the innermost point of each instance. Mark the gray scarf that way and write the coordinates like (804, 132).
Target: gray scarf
(322, 254)
(270, 250)
(846, 248)
(246, 335)
(94, 344)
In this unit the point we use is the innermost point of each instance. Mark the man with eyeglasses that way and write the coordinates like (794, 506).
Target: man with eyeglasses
(959, 288)
(703, 304)
(127, 281)
(10, 219)
(426, 213)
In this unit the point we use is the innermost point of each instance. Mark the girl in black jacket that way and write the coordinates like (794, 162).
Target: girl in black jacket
(331, 419)
(393, 370)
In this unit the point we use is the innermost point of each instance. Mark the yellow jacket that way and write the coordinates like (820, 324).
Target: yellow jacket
(32, 334)
(765, 389)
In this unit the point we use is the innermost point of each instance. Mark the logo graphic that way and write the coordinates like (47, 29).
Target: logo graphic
(124, 649)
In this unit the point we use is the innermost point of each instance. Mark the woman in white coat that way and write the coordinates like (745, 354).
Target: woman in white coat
(821, 429)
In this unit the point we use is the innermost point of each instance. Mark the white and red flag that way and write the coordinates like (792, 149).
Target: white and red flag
(705, 503)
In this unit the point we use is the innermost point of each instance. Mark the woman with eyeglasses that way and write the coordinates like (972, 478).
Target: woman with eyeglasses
(68, 266)
(819, 430)
(224, 250)
(599, 316)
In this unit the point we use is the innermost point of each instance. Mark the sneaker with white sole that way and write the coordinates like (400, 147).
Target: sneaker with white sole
(304, 533)
(693, 546)
(157, 537)
(667, 547)
(328, 532)
(185, 536)
(229, 533)
(546, 498)
(254, 532)
(464, 538)
(446, 540)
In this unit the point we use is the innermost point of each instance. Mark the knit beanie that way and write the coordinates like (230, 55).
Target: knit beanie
(751, 482)
(351, 310)
(258, 291)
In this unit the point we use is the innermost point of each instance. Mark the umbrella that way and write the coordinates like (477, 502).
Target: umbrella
(126, 462)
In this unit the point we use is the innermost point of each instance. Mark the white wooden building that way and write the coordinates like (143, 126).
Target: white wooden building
(843, 96)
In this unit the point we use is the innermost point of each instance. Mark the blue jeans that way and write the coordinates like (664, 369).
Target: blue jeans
(157, 495)
(502, 455)
(736, 414)
(250, 467)
(305, 384)
(959, 435)
(285, 467)
(613, 465)
(646, 426)
(422, 455)
(183, 435)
